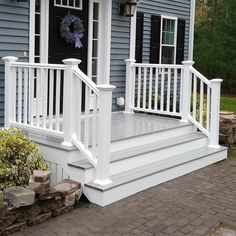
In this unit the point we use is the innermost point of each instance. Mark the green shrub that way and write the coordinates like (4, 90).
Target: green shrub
(18, 158)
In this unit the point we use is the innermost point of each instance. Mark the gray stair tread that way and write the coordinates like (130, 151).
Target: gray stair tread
(141, 149)
(147, 170)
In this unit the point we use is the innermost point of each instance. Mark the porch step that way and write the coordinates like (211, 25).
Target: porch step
(130, 182)
(141, 149)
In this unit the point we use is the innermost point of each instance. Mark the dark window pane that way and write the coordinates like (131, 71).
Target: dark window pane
(167, 55)
(37, 24)
(95, 11)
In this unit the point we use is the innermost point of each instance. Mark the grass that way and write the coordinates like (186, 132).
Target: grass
(228, 104)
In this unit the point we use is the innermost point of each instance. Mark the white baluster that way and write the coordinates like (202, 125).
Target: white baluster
(25, 114)
(19, 117)
(156, 88)
(201, 102)
(144, 87)
(8, 116)
(162, 88)
(215, 113)
(150, 89)
(139, 86)
(51, 92)
(58, 96)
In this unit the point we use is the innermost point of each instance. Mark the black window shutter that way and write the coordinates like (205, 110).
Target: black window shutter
(155, 39)
(180, 41)
(139, 38)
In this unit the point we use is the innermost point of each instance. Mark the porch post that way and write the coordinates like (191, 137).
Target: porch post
(129, 90)
(215, 113)
(186, 90)
(69, 101)
(104, 41)
(8, 106)
(104, 134)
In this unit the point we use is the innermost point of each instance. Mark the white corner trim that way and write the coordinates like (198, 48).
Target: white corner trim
(32, 31)
(133, 23)
(191, 30)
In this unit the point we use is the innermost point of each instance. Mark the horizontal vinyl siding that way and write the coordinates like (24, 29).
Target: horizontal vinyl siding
(14, 37)
(175, 8)
(119, 52)
(120, 36)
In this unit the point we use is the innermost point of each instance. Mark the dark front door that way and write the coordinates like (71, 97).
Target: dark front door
(59, 49)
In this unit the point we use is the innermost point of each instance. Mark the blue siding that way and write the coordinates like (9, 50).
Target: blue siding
(14, 37)
(120, 36)
(119, 51)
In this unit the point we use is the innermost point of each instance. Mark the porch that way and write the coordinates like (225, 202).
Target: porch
(115, 155)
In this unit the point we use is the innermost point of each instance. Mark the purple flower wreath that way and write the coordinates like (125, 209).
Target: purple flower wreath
(72, 30)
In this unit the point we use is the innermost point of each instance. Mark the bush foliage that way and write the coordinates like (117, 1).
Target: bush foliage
(18, 158)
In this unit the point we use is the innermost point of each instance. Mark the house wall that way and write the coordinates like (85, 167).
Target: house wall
(175, 8)
(14, 37)
(121, 33)
(119, 52)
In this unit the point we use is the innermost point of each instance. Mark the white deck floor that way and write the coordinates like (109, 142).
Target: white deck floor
(129, 125)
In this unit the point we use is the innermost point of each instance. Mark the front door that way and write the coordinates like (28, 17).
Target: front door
(59, 49)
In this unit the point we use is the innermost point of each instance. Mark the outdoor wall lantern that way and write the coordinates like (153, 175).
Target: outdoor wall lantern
(128, 8)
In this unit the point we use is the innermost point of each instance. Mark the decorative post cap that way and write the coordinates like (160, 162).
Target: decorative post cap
(130, 60)
(71, 61)
(188, 63)
(216, 81)
(10, 59)
(106, 87)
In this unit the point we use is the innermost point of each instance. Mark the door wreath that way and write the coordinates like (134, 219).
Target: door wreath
(72, 30)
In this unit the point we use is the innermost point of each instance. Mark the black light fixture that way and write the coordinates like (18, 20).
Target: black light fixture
(128, 8)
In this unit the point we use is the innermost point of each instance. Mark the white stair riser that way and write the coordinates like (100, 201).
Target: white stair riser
(149, 138)
(128, 189)
(147, 158)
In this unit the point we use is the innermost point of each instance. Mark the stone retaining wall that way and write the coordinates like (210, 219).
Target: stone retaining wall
(22, 207)
(227, 128)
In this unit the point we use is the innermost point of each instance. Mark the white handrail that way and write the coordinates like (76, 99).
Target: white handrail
(86, 80)
(200, 76)
(37, 65)
(157, 65)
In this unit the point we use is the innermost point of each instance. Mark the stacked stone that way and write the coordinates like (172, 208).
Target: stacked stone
(227, 128)
(22, 207)
(40, 182)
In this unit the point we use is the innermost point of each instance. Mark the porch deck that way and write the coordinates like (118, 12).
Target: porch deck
(123, 126)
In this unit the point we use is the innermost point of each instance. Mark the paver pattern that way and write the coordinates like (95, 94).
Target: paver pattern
(190, 205)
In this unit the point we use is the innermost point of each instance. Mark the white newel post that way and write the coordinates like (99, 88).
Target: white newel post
(69, 101)
(8, 112)
(215, 113)
(104, 134)
(186, 90)
(130, 83)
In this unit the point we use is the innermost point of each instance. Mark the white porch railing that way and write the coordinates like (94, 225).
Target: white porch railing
(55, 100)
(176, 90)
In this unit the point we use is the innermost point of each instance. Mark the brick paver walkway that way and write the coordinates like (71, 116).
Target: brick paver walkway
(189, 205)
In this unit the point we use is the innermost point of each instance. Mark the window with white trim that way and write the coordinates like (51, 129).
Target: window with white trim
(168, 40)
(72, 4)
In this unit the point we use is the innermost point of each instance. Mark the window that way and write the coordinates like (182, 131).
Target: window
(168, 40)
(72, 4)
